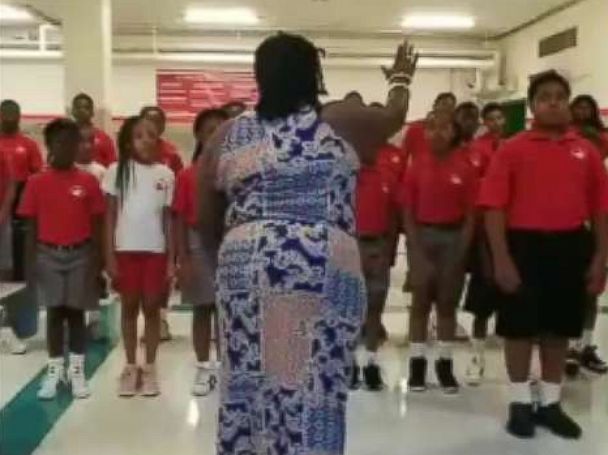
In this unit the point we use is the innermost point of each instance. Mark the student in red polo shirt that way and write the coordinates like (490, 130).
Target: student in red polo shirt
(540, 190)
(196, 274)
(168, 155)
(586, 119)
(83, 110)
(414, 141)
(376, 185)
(139, 245)
(65, 208)
(438, 197)
(467, 117)
(480, 300)
(25, 160)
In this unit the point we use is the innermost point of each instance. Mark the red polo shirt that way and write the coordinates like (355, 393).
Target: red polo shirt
(64, 204)
(376, 187)
(481, 151)
(23, 153)
(415, 143)
(184, 199)
(440, 191)
(169, 156)
(104, 151)
(546, 184)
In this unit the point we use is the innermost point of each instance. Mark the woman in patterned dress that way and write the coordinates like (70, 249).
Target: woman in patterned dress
(276, 208)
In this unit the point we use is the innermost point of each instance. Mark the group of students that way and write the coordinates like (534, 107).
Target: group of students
(90, 210)
(525, 217)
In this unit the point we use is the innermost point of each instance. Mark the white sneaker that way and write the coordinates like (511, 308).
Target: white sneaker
(475, 371)
(149, 381)
(14, 344)
(80, 388)
(204, 381)
(55, 374)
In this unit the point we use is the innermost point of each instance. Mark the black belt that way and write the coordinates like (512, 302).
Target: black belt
(73, 247)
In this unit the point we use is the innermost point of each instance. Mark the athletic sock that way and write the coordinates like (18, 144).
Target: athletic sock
(445, 350)
(417, 350)
(587, 339)
(520, 392)
(550, 393)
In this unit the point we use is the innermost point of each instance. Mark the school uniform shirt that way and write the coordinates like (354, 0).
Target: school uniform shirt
(93, 168)
(23, 153)
(184, 201)
(440, 191)
(63, 203)
(169, 156)
(546, 184)
(104, 151)
(139, 227)
(415, 143)
(481, 151)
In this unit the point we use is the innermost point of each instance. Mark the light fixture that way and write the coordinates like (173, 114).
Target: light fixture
(437, 21)
(10, 13)
(221, 16)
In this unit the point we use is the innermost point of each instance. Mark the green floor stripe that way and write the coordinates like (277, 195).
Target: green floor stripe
(25, 421)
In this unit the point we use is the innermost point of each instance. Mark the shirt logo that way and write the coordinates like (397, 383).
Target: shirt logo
(162, 185)
(77, 191)
(455, 179)
(20, 149)
(396, 160)
(578, 153)
(385, 189)
(96, 141)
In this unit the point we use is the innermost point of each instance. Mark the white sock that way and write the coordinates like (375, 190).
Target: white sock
(479, 346)
(587, 339)
(550, 393)
(444, 350)
(372, 358)
(520, 392)
(94, 316)
(361, 356)
(417, 350)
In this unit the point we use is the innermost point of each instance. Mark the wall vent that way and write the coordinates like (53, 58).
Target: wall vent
(558, 42)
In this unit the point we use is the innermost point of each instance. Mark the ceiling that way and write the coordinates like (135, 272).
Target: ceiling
(493, 17)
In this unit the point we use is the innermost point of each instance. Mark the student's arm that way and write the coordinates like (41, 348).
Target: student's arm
(7, 203)
(180, 229)
(170, 239)
(212, 203)
(109, 236)
(368, 128)
(35, 158)
(506, 273)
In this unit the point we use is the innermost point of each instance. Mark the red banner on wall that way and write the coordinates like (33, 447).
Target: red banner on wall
(183, 93)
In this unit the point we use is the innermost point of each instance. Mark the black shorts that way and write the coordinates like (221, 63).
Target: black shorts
(551, 300)
(482, 293)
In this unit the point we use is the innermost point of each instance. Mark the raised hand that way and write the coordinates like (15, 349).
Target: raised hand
(404, 66)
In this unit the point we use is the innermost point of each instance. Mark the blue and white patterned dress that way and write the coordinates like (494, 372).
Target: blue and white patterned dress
(290, 289)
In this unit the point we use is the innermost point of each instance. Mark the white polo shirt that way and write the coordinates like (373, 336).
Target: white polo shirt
(139, 225)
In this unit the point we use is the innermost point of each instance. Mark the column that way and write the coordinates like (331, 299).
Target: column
(87, 50)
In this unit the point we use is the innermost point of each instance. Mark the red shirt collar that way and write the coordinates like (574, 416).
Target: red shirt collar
(538, 135)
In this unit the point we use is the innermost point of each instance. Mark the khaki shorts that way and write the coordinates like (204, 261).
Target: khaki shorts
(375, 262)
(65, 278)
(442, 247)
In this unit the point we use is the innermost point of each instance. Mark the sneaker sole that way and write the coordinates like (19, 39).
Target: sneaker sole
(417, 389)
(127, 394)
(450, 392)
(149, 395)
(521, 436)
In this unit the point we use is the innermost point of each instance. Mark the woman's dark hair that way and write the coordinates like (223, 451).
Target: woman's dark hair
(200, 119)
(544, 78)
(596, 119)
(124, 170)
(289, 75)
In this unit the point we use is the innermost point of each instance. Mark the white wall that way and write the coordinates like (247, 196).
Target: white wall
(586, 65)
(38, 85)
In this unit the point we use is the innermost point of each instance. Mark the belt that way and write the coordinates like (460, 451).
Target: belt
(73, 247)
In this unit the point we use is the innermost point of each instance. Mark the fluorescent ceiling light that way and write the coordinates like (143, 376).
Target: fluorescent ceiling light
(440, 21)
(222, 16)
(9, 13)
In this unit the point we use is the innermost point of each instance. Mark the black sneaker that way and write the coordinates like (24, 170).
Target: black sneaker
(558, 422)
(373, 378)
(355, 377)
(417, 379)
(573, 363)
(590, 360)
(521, 421)
(445, 375)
